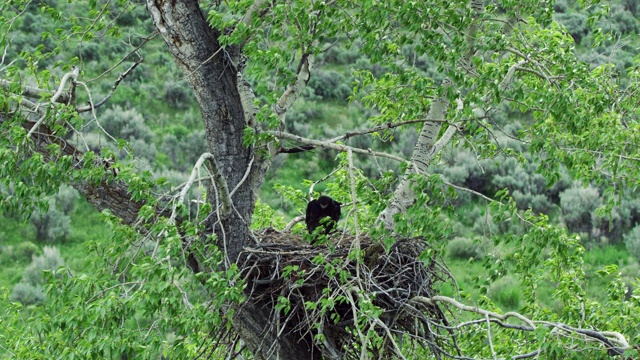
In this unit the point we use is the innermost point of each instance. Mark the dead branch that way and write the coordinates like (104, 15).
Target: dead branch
(328, 145)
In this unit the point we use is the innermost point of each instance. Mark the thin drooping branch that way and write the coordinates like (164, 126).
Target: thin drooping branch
(613, 341)
(122, 76)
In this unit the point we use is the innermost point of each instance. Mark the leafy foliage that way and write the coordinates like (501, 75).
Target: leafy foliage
(535, 100)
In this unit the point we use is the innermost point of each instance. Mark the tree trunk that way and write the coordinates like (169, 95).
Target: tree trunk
(212, 73)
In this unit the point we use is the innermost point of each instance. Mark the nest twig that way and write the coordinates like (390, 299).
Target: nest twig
(345, 303)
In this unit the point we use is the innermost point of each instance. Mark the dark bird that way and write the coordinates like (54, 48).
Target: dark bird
(317, 210)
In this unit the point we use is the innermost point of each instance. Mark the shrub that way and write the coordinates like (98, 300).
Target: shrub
(66, 198)
(125, 124)
(49, 260)
(177, 94)
(576, 25)
(52, 224)
(27, 294)
(184, 150)
(143, 150)
(506, 292)
(327, 85)
(631, 6)
(464, 248)
(578, 206)
(25, 250)
(632, 241)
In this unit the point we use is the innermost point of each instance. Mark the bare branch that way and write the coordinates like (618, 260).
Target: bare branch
(73, 75)
(337, 147)
(614, 342)
(293, 221)
(386, 126)
(219, 181)
(92, 106)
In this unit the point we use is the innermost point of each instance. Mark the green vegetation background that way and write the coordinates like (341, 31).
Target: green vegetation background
(167, 138)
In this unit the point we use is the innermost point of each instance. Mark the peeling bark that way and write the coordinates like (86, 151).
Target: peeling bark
(423, 152)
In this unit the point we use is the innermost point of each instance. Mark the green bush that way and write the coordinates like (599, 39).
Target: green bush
(631, 6)
(66, 198)
(27, 294)
(462, 248)
(576, 25)
(330, 85)
(578, 205)
(51, 225)
(506, 293)
(177, 94)
(124, 124)
(632, 241)
(184, 150)
(49, 260)
(25, 250)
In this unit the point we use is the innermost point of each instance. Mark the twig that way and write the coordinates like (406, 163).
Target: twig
(337, 147)
(73, 75)
(92, 106)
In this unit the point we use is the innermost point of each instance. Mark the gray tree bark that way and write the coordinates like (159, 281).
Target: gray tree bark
(212, 74)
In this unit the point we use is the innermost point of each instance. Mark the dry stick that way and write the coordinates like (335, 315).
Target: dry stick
(337, 147)
(92, 106)
(321, 180)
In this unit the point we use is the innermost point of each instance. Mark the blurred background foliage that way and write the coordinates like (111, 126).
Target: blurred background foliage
(155, 112)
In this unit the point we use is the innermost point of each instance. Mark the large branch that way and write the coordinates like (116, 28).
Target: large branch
(423, 152)
(109, 193)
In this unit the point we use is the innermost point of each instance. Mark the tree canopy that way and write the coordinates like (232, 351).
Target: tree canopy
(204, 268)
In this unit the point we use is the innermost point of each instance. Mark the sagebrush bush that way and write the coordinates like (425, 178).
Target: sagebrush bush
(124, 124)
(177, 94)
(51, 225)
(27, 294)
(25, 250)
(576, 25)
(464, 248)
(66, 198)
(49, 260)
(578, 205)
(329, 85)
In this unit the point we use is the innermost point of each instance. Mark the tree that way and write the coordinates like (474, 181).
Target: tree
(237, 58)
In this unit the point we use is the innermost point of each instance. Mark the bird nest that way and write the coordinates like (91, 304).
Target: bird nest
(349, 294)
